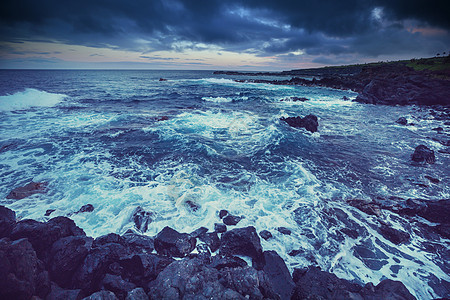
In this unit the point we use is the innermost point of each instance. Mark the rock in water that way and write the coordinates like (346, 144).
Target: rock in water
(231, 220)
(309, 122)
(423, 154)
(402, 121)
(278, 274)
(242, 241)
(142, 218)
(7, 221)
(170, 242)
(27, 190)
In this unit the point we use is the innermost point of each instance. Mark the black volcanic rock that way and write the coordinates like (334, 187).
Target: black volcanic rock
(170, 242)
(278, 274)
(220, 228)
(395, 236)
(142, 219)
(117, 285)
(22, 274)
(211, 239)
(27, 190)
(143, 268)
(265, 234)
(241, 241)
(402, 121)
(223, 213)
(231, 220)
(309, 122)
(7, 221)
(86, 208)
(423, 154)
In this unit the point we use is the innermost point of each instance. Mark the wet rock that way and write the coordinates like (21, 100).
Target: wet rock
(48, 212)
(402, 121)
(309, 122)
(137, 243)
(102, 295)
(278, 274)
(86, 208)
(241, 241)
(265, 234)
(57, 293)
(198, 232)
(67, 254)
(107, 239)
(284, 230)
(350, 232)
(28, 190)
(370, 208)
(66, 226)
(231, 220)
(370, 256)
(143, 268)
(295, 252)
(423, 154)
(137, 294)
(7, 221)
(90, 273)
(386, 289)
(162, 118)
(190, 279)
(395, 236)
(223, 213)
(211, 239)
(192, 205)
(227, 261)
(170, 242)
(22, 274)
(438, 129)
(295, 99)
(117, 285)
(432, 179)
(314, 283)
(220, 228)
(162, 79)
(142, 218)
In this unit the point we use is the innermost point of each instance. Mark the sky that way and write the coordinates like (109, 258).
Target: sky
(218, 34)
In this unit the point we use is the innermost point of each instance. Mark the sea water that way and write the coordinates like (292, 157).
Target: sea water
(197, 143)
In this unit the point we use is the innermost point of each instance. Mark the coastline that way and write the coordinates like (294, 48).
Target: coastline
(56, 260)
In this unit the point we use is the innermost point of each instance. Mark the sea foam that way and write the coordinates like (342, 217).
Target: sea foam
(29, 98)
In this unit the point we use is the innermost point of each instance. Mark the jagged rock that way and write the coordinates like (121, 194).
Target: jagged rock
(143, 268)
(227, 261)
(265, 234)
(27, 190)
(278, 274)
(223, 213)
(432, 179)
(137, 243)
(220, 228)
(22, 274)
(142, 218)
(66, 256)
(231, 220)
(423, 154)
(7, 221)
(170, 242)
(402, 121)
(57, 293)
(241, 241)
(48, 212)
(314, 283)
(137, 294)
(162, 79)
(198, 232)
(309, 122)
(190, 279)
(117, 285)
(107, 239)
(66, 226)
(284, 230)
(438, 129)
(211, 239)
(395, 236)
(86, 208)
(102, 295)
(95, 265)
(386, 289)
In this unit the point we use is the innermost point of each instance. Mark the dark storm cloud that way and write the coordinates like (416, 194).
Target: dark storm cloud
(267, 27)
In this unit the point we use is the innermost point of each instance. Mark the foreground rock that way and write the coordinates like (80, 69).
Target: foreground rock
(309, 122)
(56, 260)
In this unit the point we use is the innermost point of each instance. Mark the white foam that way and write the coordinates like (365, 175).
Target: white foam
(29, 98)
(217, 99)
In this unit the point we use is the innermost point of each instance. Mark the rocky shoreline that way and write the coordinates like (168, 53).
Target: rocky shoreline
(56, 260)
(385, 84)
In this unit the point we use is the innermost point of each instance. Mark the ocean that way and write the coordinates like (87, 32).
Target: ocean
(185, 148)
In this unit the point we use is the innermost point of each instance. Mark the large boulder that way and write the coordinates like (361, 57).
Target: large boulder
(142, 218)
(278, 274)
(309, 122)
(67, 254)
(22, 274)
(7, 221)
(143, 268)
(386, 289)
(423, 154)
(170, 242)
(242, 241)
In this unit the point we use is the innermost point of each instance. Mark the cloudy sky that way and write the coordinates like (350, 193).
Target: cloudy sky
(218, 34)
